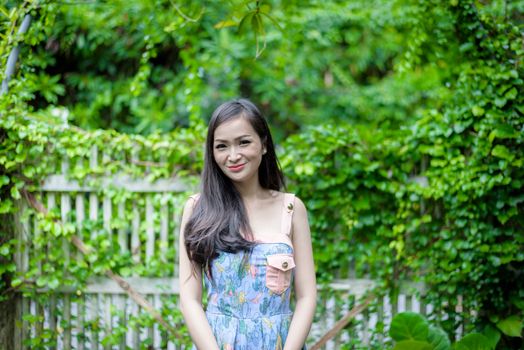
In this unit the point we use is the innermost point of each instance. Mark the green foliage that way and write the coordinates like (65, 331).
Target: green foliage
(345, 180)
(406, 330)
(438, 338)
(40, 148)
(439, 200)
(473, 341)
(405, 121)
(409, 326)
(35, 142)
(511, 326)
(473, 152)
(144, 66)
(31, 149)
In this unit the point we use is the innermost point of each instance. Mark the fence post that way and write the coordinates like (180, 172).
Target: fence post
(13, 56)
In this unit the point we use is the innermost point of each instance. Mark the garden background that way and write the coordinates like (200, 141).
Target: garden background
(400, 124)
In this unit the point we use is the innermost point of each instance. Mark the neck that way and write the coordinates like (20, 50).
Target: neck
(250, 191)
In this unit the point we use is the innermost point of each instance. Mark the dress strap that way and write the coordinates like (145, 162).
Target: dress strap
(287, 213)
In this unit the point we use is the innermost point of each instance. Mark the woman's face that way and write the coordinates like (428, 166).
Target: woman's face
(238, 150)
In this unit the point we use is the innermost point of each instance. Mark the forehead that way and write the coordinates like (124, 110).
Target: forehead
(235, 128)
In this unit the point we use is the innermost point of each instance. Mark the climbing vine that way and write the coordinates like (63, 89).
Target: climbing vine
(437, 199)
(440, 200)
(32, 150)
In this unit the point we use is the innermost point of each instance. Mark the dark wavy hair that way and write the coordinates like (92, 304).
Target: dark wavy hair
(219, 215)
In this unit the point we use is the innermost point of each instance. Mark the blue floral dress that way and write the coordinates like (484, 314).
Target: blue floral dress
(249, 295)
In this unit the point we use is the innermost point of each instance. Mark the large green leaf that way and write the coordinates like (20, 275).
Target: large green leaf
(511, 326)
(409, 326)
(438, 339)
(503, 131)
(501, 151)
(473, 341)
(413, 345)
(493, 336)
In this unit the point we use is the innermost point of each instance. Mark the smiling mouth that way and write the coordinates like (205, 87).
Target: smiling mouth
(236, 167)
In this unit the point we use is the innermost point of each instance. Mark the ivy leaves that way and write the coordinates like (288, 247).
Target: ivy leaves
(412, 331)
(254, 19)
(441, 199)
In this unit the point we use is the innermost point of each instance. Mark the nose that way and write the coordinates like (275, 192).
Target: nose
(233, 154)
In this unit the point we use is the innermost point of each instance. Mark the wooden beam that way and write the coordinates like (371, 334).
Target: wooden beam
(142, 285)
(137, 297)
(170, 285)
(343, 322)
(60, 183)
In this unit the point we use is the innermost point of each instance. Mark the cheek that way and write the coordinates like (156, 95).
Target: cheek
(216, 158)
(255, 151)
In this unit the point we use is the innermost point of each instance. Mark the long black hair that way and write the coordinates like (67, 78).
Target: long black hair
(219, 217)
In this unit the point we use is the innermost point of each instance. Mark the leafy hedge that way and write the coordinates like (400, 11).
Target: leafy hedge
(424, 185)
(30, 149)
(440, 200)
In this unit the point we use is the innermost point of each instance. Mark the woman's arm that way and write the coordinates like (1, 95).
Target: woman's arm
(305, 280)
(191, 292)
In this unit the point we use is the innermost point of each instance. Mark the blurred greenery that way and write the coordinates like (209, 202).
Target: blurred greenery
(145, 66)
(400, 123)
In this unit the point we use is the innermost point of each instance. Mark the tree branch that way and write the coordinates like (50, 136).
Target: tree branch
(184, 16)
(137, 297)
(13, 56)
(343, 322)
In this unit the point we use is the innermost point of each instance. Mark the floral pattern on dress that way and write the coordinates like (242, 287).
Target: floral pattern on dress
(242, 312)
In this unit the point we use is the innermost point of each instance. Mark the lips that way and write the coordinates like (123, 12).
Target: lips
(236, 168)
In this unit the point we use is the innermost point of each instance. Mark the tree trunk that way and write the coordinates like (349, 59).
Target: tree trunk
(7, 323)
(7, 306)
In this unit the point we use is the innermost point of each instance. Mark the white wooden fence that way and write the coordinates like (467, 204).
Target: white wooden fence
(82, 320)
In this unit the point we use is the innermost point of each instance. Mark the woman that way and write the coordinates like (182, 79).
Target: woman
(249, 242)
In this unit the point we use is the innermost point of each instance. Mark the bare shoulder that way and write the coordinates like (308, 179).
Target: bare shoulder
(300, 212)
(190, 204)
(300, 225)
(300, 207)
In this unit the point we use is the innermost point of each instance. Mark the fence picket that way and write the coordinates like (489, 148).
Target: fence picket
(65, 209)
(365, 327)
(107, 209)
(37, 247)
(154, 218)
(108, 319)
(135, 240)
(175, 234)
(150, 229)
(423, 309)
(95, 320)
(156, 326)
(26, 239)
(80, 212)
(53, 316)
(80, 314)
(136, 331)
(78, 336)
(150, 334)
(122, 232)
(409, 302)
(164, 228)
(122, 319)
(337, 314)
(51, 204)
(93, 206)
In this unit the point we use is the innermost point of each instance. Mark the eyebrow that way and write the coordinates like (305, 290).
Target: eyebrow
(237, 138)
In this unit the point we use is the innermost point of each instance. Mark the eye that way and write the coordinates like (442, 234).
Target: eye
(220, 146)
(245, 142)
